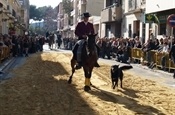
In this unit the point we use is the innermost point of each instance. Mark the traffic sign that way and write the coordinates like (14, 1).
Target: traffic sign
(171, 20)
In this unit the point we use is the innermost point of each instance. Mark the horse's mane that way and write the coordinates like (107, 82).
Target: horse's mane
(90, 47)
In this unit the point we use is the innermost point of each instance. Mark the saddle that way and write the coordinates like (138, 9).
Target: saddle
(85, 51)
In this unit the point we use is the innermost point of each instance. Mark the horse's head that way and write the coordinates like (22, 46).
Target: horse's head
(91, 42)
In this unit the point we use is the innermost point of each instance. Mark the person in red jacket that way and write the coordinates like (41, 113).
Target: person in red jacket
(83, 29)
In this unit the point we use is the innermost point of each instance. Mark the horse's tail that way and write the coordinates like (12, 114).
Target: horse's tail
(126, 67)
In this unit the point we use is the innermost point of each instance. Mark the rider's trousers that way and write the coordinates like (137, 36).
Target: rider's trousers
(79, 50)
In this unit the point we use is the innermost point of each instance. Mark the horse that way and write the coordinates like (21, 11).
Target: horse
(89, 58)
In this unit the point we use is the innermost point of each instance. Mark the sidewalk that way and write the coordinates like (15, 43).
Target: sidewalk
(4, 66)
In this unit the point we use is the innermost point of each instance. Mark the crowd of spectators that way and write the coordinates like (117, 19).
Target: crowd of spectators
(120, 49)
(21, 45)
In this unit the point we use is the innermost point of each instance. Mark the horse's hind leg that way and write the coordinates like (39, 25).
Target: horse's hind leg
(73, 62)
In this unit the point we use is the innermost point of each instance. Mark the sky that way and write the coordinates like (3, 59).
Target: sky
(40, 3)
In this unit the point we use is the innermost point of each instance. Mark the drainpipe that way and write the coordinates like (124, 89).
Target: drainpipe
(100, 28)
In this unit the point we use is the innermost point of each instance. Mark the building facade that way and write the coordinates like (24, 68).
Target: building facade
(162, 9)
(25, 11)
(60, 17)
(94, 7)
(11, 16)
(133, 22)
(80, 7)
(74, 16)
(111, 19)
(96, 14)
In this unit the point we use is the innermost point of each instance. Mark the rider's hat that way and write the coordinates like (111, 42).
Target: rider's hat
(86, 15)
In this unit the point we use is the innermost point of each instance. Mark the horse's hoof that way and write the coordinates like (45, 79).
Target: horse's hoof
(69, 81)
(87, 88)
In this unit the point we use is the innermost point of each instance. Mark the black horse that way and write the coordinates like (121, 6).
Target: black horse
(89, 58)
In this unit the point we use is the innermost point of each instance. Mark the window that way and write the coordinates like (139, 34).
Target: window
(112, 2)
(130, 4)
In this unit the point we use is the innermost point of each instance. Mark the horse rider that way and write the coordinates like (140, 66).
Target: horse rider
(83, 29)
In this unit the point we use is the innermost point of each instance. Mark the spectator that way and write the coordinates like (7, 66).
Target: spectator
(164, 51)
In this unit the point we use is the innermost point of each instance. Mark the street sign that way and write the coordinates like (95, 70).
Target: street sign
(171, 20)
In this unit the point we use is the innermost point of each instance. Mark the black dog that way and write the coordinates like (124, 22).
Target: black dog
(117, 73)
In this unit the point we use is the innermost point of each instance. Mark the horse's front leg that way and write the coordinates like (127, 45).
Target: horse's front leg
(73, 62)
(88, 73)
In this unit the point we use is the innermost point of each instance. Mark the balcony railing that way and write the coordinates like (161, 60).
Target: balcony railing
(111, 13)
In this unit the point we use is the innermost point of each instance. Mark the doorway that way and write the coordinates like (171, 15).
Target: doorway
(108, 30)
(136, 28)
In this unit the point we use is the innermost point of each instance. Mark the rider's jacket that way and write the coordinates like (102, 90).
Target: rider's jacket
(83, 28)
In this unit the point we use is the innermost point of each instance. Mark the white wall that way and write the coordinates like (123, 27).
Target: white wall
(103, 30)
(129, 19)
(94, 7)
(159, 5)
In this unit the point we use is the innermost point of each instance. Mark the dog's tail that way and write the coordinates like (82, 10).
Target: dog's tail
(126, 67)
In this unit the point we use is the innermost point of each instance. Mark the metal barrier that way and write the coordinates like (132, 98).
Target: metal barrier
(136, 53)
(5, 53)
(156, 57)
(171, 65)
(159, 57)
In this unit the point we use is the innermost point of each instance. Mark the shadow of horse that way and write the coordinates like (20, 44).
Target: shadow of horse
(128, 102)
(42, 89)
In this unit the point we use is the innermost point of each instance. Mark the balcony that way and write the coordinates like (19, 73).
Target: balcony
(136, 6)
(111, 13)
